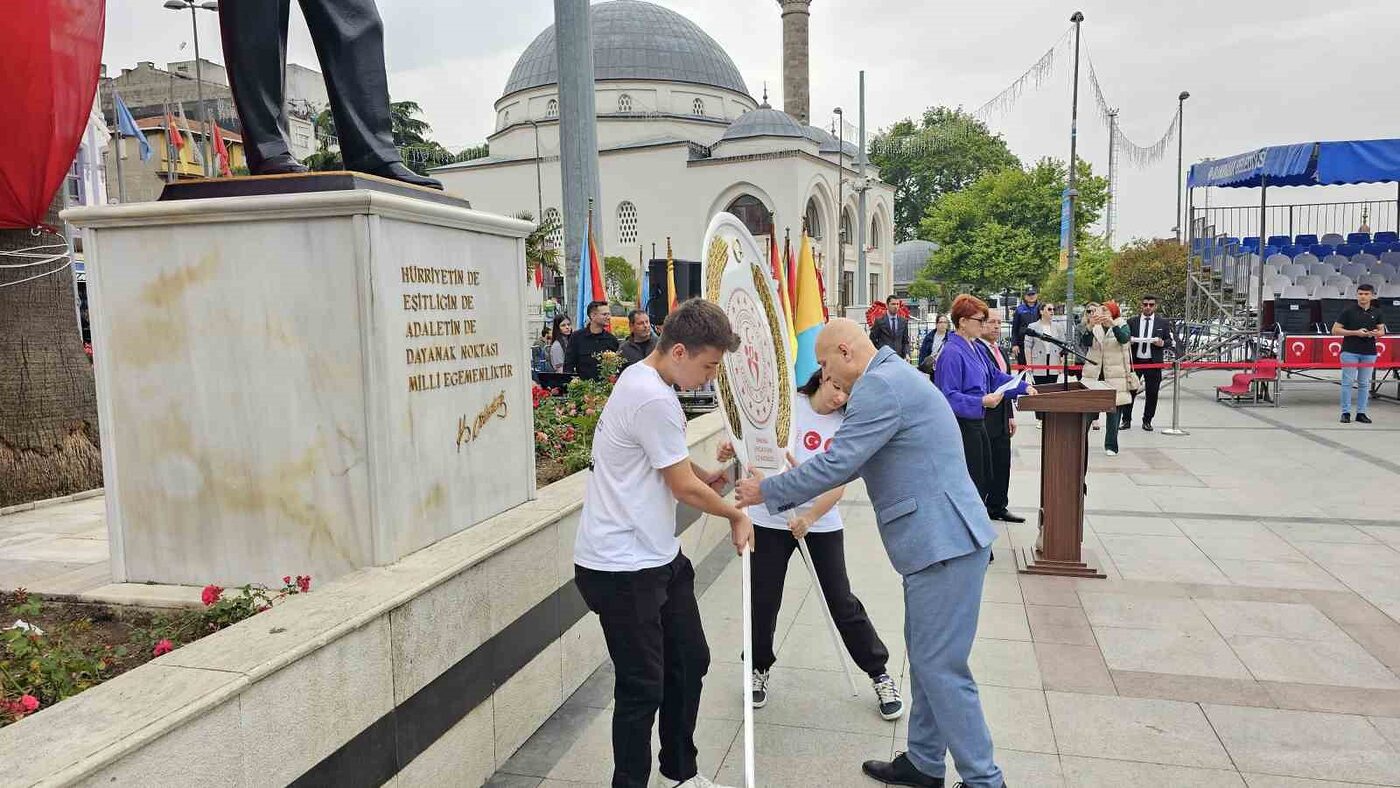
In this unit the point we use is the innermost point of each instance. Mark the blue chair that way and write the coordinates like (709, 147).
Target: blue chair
(1322, 250)
(1375, 248)
(1280, 241)
(1307, 239)
(1349, 249)
(1358, 238)
(1386, 237)
(1270, 251)
(1293, 250)
(1251, 242)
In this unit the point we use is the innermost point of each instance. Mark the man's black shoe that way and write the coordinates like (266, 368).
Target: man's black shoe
(1125, 425)
(1362, 418)
(396, 171)
(900, 771)
(281, 164)
(1007, 517)
(1147, 426)
(1346, 418)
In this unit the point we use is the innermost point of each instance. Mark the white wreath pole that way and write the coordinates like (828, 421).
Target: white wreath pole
(826, 612)
(748, 670)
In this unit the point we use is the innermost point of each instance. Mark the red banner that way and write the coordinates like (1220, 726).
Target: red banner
(50, 58)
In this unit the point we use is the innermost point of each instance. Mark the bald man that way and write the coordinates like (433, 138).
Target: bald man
(901, 437)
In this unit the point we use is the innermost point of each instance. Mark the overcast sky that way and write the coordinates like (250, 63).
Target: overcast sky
(1260, 72)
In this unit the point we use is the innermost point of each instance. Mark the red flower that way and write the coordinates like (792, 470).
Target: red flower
(163, 647)
(210, 594)
(568, 433)
(304, 583)
(286, 580)
(29, 703)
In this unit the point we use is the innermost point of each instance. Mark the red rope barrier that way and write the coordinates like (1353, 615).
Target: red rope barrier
(1222, 365)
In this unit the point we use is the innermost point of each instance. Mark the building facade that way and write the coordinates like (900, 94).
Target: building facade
(680, 139)
(143, 180)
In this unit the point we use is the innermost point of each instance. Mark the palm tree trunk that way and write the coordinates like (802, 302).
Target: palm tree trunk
(48, 400)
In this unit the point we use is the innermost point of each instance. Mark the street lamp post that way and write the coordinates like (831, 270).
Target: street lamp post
(1180, 133)
(207, 5)
(840, 207)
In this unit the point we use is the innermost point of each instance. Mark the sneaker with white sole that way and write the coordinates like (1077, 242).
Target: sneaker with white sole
(700, 781)
(1111, 452)
(887, 694)
(758, 685)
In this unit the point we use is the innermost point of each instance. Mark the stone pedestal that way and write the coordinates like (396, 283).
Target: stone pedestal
(304, 383)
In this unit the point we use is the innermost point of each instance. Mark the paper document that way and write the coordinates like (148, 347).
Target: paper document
(1142, 339)
(1011, 384)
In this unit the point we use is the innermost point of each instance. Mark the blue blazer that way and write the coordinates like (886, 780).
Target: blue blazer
(900, 436)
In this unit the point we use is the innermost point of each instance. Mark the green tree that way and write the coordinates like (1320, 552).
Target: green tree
(538, 250)
(1003, 230)
(1156, 267)
(417, 149)
(1091, 275)
(620, 279)
(942, 152)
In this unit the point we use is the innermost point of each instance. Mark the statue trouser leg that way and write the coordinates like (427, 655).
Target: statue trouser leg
(254, 34)
(349, 40)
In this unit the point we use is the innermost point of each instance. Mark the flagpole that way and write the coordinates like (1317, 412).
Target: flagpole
(121, 182)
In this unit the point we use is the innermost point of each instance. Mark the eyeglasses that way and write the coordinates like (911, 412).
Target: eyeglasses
(976, 319)
(1146, 304)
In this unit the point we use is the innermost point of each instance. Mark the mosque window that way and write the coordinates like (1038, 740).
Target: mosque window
(753, 213)
(814, 219)
(626, 223)
(697, 107)
(624, 103)
(505, 118)
(874, 233)
(556, 236)
(846, 227)
(551, 110)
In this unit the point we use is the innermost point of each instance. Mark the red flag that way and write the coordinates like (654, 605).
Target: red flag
(791, 263)
(594, 265)
(221, 150)
(176, 138)
(826, 313)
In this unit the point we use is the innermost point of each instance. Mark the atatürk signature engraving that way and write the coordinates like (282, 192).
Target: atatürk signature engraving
(466, 433)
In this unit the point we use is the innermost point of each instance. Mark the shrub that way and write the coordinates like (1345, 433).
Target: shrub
(564, 425)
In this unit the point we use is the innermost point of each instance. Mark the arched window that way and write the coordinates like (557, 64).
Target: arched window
(752, 212)
(505, 118)
(697, 107)
(624, 103)
(626, 223)
(551, 110)
(846, 227)
(874, 233)
(814, 218)
(556, 236)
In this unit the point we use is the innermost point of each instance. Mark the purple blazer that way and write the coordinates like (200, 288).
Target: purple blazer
(968, 377)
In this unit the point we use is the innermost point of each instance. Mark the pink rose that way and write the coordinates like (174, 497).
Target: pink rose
(163, 647)
(304, 583)
(210, 594)
(29, 703)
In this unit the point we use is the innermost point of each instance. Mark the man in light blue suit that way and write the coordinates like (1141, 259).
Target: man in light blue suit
(901, 437)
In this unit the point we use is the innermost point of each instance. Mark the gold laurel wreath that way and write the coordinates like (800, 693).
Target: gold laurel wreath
(718, 257)
(761, 283)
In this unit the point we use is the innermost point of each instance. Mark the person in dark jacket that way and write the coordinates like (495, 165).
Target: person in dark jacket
(1027, 312)
(597, 337)
(933, 345)
(891, 329)
(642, 339)
(1000, 423)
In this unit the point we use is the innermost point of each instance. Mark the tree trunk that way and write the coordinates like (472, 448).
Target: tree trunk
(48, 399)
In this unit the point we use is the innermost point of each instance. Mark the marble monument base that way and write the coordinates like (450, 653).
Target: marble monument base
(304, 383)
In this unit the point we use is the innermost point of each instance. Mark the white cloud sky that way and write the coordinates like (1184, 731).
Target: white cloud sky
(1260, 72)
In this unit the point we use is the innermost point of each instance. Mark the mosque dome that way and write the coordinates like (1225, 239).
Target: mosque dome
(910, 257)
(763, 122)
(635, 40)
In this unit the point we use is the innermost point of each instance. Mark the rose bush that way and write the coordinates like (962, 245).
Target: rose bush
(564, 424)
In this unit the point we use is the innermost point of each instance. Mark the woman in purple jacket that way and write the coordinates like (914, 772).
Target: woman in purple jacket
(968, 379)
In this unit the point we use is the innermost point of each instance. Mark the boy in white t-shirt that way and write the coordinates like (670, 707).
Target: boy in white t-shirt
(628, 564)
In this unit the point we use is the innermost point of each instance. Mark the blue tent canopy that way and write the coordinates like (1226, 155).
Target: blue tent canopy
(1304, 164)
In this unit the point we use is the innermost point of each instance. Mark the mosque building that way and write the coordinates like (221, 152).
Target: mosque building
(680, 139)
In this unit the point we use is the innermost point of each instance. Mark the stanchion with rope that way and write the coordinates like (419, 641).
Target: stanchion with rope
(1175, 429)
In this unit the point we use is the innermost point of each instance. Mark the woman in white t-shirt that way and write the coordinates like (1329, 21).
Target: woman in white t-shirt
(818, 414)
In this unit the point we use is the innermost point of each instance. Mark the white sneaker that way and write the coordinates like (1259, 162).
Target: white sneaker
(1039, 425)
(887, 695)
(700, 781)
(759, 687)
(1111, 452)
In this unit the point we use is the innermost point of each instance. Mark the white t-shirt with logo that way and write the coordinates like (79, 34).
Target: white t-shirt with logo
(629, 514)
(814, 434)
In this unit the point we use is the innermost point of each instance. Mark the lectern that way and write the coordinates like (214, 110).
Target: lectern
(1064, 458)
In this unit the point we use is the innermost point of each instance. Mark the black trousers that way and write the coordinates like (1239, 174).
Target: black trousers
(1151, 384)
(977, 447)
(349, 39)
(773, 549)
(1041, 380)
(999, 484)
(652, 626)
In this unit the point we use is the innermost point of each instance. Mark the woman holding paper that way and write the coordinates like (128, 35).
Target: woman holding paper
(818, 414)
(972, 383)
(1110, 360)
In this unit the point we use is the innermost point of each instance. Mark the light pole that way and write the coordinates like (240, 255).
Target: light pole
(1071, 253)
(539, 182)
(1180, 133)
(207, 5)
(840, 206)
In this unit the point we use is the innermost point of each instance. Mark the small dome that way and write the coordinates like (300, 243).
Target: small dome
(635, 40)
(819, 136)
(910, 257)
(852, 149)
(763, 122)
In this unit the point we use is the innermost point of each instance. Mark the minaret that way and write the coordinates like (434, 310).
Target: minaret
(796, 94)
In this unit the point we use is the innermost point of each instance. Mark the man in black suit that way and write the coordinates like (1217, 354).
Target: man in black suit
(1151, 338)
(891, 330)
(349, 39)
(1001, 425)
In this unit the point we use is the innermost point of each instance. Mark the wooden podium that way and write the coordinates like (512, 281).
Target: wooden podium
(1064, 458)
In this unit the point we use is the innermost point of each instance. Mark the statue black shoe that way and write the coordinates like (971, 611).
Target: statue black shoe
(281, 164)
(900, 771)
(396, 171)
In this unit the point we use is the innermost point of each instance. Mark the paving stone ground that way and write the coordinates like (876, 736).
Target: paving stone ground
(1248, 633)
